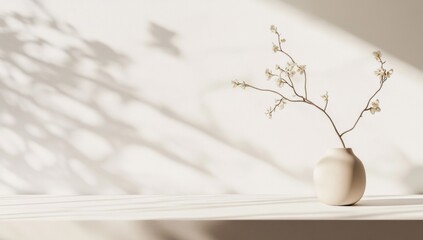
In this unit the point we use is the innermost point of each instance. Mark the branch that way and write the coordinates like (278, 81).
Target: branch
(330, 119)
(383, 78)
(382, 73)
(292, 59)
(303, 100)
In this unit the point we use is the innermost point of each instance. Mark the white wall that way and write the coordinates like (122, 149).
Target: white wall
(135, 97)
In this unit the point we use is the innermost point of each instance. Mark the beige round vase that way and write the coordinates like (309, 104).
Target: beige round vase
(339, 178)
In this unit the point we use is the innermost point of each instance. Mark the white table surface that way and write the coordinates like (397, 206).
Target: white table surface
(203, 207)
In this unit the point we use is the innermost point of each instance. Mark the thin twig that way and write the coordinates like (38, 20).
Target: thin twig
(272, 110)
(305, 84)
(272, 91)
(326, 104)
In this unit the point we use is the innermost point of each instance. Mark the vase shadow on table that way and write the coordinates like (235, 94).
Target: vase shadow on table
(390, 202)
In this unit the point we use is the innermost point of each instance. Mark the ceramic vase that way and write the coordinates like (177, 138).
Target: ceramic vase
(339, 178)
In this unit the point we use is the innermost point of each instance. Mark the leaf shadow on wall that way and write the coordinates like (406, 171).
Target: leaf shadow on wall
(34, 120)
(163, 39)
(50, 103)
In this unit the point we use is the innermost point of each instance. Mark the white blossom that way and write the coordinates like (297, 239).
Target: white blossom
(275, 48)
(325, 97)
(375, 107)
(377, 55)
(301, 69)
(280, 82)
(269, 74)
(269, 112)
